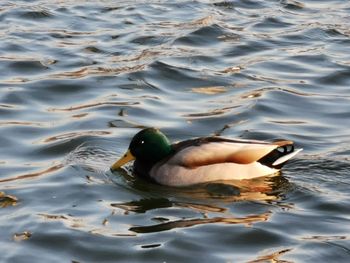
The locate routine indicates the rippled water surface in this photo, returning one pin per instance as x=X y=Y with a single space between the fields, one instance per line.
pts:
x=79 y=78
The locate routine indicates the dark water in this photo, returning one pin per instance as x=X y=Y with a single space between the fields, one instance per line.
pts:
x=79 y=78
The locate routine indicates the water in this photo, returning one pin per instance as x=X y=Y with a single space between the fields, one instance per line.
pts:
x=79 y=78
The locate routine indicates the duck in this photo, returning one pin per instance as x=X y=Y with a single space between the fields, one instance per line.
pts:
x=204 y=159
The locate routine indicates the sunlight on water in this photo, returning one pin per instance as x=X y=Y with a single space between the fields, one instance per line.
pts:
x=80 y=78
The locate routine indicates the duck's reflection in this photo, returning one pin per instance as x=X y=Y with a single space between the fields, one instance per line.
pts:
x=204 y=200
x=257 y=189
x=144 y=205
x=200 y=221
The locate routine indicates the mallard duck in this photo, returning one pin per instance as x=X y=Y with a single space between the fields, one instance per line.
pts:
x=203 y=160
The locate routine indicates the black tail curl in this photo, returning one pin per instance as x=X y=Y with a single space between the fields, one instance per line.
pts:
x=277 y=153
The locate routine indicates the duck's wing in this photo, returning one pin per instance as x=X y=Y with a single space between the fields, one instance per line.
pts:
x=214 y=150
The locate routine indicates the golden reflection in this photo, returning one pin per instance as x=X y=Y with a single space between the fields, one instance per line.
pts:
x=205 y=21
x=67 y=220
x=22 y=123
x=7 y=200
x=81 y=224
x=248 y=220
x=80 y=116
x=69 y=44
x=16 y=80
x=205 y=204
x=209 y=90
x=206 y=199
x=259 y=189
x=260 y=92
x=325 y=238
x=15 y=57
x=71 y=135
x=22 y=236
x=203 y=208
x=144 y=205
x=268 y=188
x=201 y=22
x=273 y=257
x=295 y=50
x=233 y=69
x=290 y=122
x=88 y=71
x=145 y=54
x=34 y=174
x=70 y=32
x=94 y=104
x=81 y=73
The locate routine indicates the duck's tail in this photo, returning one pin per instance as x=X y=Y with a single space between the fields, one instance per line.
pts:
x=279 y=156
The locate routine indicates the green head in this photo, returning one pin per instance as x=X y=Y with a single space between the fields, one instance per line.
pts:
x=148 y=146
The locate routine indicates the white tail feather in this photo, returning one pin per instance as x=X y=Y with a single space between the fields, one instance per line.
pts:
x=286 y=157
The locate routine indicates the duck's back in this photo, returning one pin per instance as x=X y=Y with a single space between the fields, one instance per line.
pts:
x=214 y=158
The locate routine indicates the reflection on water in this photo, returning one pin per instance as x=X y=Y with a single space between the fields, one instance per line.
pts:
x=79 y=78
x=7 y=200
x=193 y=222
x=263 y=189
x=205 y=197
x=31 y=175
x=22 y=236
x=273 y=257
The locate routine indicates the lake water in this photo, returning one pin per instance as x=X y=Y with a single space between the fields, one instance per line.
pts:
x=79 y=78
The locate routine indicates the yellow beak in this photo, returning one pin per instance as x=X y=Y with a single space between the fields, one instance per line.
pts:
x=127 y=157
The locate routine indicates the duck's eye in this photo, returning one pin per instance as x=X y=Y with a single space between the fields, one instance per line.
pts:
x=142 y=142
